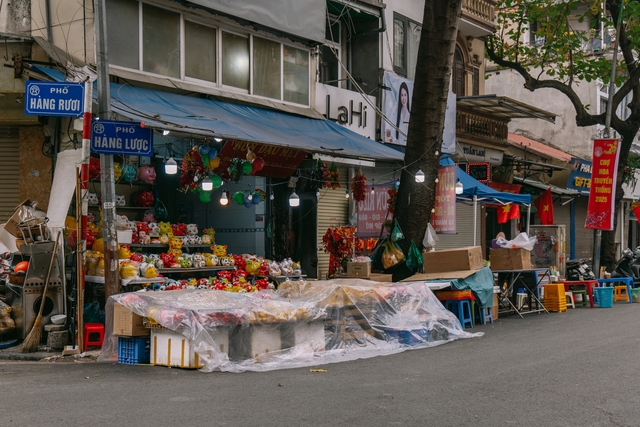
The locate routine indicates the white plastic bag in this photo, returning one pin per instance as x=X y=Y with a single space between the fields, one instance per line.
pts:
x=522 y=240
x=430 y=237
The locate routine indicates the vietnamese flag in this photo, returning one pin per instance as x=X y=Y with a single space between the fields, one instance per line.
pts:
x=544 y=205
x=508 y=212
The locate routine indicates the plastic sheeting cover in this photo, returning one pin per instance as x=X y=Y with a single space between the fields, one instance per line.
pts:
x=301 y=324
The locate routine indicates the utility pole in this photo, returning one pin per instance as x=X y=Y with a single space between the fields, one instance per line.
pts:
x=107 y=185
x=597 y=238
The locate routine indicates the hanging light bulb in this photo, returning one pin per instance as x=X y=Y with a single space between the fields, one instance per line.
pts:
x=437 y=153
x=459 y=187
x=346 y=195
x=294 y=199
x=224 y=199
x=171 y=167
x=433 y=210
x=216 y=139
x=207 y=184
x=271 y=196
x=437 y=180
x=165 y=132
x=373 y=190
x=317 y=193
x=419 y=175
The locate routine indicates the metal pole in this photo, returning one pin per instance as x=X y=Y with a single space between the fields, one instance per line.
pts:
x=107 y=185
x=475 y=217
x=597 y=236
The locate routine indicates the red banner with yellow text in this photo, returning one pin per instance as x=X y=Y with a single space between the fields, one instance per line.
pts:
x=443 y=219
x=279 y=162
x=602 y=195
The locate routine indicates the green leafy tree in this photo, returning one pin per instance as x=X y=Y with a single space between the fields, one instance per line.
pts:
x=426 y=124
x=560 y=61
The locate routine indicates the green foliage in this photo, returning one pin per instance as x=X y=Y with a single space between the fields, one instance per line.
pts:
x=562 y=29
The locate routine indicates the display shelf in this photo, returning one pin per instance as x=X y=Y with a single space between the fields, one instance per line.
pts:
x=125 y=282
x=162 y=245
x=193 y=269
x=121 y=182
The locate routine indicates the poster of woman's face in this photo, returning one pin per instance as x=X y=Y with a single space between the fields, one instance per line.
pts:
x=396 y=106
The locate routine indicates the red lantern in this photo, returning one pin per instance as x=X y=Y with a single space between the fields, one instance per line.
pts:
x=258 y=164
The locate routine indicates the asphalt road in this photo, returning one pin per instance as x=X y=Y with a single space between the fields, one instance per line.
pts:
x=578 y=368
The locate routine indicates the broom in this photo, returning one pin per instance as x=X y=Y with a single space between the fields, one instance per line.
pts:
x=31 y=342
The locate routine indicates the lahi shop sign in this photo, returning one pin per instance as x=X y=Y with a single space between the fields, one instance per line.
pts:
x=444 y=217
x=604 y=172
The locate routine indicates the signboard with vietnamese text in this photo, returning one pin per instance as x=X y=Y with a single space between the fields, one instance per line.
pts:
x=443 y=219
x=279 y=162
x=604 y=173
x=53 y=99
x=580 y=176
x=372 y=211
x=121 y=138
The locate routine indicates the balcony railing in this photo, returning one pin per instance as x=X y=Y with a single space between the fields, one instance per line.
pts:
x=472 y=124
x=480 y=12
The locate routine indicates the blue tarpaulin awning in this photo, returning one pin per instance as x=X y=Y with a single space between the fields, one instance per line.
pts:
x=211 y=118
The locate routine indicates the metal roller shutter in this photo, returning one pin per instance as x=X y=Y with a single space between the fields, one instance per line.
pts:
x=9 y=172
x=464 y=228
x=333 y=210
x=584 y=237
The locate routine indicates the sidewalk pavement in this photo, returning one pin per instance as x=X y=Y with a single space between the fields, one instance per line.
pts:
x=44 y=353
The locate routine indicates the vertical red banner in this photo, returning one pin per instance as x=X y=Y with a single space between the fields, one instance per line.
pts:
x=372 y=211
x=602 y=195
x=444 y=218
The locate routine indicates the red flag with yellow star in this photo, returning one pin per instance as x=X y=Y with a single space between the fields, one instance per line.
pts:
x=544 y=205
x=508 y=212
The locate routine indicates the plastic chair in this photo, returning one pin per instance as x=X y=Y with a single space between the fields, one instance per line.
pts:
x=570 y=302
x=93 y=335
x=583 y=294
x=620 y=293
x=462 y=309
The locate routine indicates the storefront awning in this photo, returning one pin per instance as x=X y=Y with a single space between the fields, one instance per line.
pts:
x=212 y=118
x=543 y=186
x=473 y=189
x=503 y=107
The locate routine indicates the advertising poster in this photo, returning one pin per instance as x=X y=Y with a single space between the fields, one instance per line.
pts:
x=372 y=211
x=396 y=106
x=602 y=194
x=444 y=218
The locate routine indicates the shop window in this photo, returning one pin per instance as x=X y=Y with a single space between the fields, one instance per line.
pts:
x=199 y=51
x=123 y=29
x=160 y=41
x=458 y=73
x=296 y=75
x=235 y=60
x=328 y=64
x=266 y=68
x=406 y=41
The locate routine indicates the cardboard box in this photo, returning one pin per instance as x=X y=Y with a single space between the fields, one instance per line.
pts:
x=359 y=269
x=469 y=258
x=17 y=217
x=169 y=348
x=495 y=308
x=379 y=277
x=127 y=323
x=510 y=259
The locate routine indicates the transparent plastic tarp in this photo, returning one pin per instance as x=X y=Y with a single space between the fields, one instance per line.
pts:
x=301 y=324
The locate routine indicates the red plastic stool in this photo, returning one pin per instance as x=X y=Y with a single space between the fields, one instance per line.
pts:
x=93 y=335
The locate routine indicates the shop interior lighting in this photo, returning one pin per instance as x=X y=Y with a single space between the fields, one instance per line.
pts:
x=271 y=196
x=346 y=195
x=459 y=187
x=419 y=175
x=207 y=184
x=317 y=193
x=171 y=167
x=165 y=132
x=224 y=199
x=217 y=139
x=294 y=200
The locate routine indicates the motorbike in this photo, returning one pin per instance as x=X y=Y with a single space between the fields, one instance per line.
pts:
x=579 y=269
x=628 y=266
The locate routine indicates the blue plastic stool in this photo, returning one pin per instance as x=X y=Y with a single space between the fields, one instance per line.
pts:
x=462 y=309
x=482 y=315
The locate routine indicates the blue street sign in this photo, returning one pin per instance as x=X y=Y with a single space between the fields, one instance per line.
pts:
x=53 y=99
x=121 y=138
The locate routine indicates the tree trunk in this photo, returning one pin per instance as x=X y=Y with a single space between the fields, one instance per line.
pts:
x=426 y=124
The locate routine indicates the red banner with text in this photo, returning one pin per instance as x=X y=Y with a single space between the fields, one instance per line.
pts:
x=444 y=218
x=372 y=211
x=602 y=194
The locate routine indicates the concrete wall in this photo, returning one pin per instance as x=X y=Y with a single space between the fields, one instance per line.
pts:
x=564 y=134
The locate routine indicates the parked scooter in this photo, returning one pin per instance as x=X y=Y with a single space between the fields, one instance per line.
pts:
x=628 y=266
x=579 y=269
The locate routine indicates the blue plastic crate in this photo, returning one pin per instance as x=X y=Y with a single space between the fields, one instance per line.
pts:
x=407 y=336
x=134 y=350
x=604 y=296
